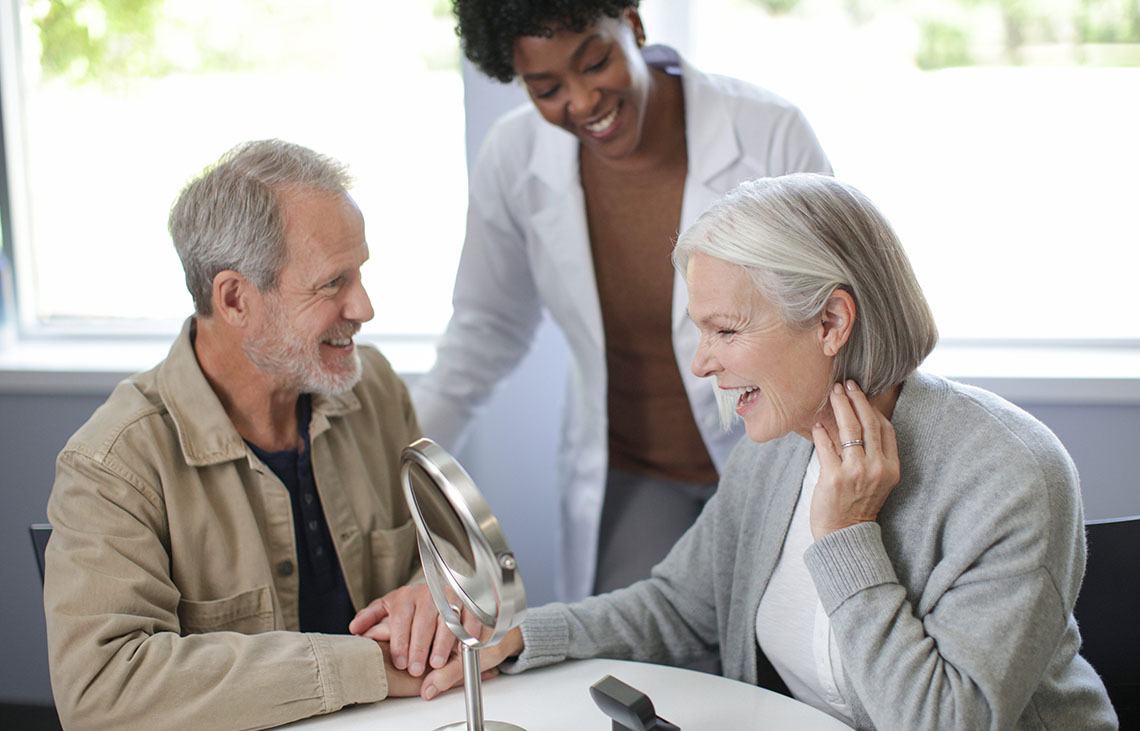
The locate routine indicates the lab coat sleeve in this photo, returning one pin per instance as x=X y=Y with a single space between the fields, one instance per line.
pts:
x=496 y=303
x=794 y=148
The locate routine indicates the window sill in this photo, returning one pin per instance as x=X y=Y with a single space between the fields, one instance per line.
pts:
x=1024 y=374
x=1044 y=374
x=95 y=366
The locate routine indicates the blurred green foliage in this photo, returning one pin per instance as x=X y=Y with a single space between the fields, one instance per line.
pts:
x=1075 y=25
x=968 y=32
x=105 y=41
x=942 y=44
x=1109 y=21
x=778 y=7
x=86 y=39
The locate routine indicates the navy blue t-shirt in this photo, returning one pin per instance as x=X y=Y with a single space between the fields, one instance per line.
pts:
x=325 y=605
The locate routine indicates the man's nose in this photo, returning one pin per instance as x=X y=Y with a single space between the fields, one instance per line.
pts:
x=358 y=308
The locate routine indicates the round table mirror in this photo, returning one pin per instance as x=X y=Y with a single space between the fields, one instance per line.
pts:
x=467 y=562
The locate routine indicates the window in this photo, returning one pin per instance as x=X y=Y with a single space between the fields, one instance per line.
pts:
x=109 y=107
x=999 y=138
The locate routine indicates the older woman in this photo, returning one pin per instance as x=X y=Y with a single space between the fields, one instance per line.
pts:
x=903 y=551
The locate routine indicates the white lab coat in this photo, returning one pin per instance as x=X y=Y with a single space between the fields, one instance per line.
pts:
x=528 y=247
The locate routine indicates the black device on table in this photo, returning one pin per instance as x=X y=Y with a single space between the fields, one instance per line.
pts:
x=630 y=709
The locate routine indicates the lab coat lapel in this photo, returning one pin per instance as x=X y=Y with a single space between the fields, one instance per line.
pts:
x=713 y=153
x=560 y=226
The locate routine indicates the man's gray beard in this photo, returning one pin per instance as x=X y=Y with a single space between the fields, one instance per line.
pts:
x=282 y=354
x=726 y=405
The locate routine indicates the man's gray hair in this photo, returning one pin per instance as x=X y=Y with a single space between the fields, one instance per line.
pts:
x=801 y=237
x=230 y=217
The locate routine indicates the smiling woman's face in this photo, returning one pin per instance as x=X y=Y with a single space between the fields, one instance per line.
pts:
x=594 y=83
x=777 y=377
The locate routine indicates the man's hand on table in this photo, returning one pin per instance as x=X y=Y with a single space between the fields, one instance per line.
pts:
x=407 y=621
x=401 y=684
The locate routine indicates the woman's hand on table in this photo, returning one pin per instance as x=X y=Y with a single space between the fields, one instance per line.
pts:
x=451 y=674
x=854 y=480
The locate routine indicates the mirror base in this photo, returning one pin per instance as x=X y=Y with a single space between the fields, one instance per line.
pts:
x=487 y=726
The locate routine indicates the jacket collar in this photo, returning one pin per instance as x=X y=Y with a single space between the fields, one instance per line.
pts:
x=205 y=432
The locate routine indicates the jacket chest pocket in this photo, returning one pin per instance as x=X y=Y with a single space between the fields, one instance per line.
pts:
x=249 y=613
x=394 y=557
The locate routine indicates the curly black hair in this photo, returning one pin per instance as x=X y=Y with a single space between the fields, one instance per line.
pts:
x=488 y=28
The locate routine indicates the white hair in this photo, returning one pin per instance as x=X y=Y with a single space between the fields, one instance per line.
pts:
x=800 y=238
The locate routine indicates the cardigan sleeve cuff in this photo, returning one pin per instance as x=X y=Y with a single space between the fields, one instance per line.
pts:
x=546 y=640
x=847 y=561
x=350 y=670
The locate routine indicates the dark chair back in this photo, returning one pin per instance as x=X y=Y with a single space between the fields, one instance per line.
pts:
x=1108 y=611
x=41 y=532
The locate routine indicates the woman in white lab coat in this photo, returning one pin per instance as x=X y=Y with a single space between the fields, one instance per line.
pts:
x=575 y=202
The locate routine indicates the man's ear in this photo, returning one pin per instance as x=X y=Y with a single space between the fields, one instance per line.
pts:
x=232 y=294
x=837 y=321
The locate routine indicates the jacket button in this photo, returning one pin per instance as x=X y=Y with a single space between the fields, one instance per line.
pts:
x=285 y=568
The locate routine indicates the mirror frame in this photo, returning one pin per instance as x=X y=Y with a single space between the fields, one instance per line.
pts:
x=495 y=564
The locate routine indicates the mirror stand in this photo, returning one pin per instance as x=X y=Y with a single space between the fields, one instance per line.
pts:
x=464 y=553
x=473 y=697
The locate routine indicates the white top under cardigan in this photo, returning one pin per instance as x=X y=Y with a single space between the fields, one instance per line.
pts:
x=528 y=249
x=791 y=626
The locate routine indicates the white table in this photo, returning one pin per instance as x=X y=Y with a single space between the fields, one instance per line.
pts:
x=558 y=697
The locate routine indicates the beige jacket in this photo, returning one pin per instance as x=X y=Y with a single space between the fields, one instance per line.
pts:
x=170 y=588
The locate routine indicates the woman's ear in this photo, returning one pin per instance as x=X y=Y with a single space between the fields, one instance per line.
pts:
x=231 y=293
x=837 y=321
x=634 y=19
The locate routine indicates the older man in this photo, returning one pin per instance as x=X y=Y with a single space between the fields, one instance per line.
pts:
x=221 y=518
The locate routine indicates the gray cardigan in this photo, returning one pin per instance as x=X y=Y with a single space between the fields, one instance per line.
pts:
x=954 y=610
